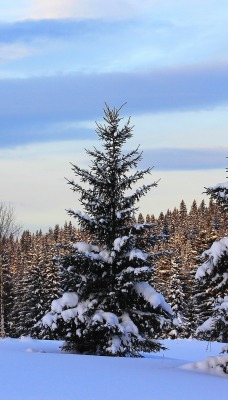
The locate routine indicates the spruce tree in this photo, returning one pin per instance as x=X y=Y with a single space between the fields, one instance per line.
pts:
x=46 y=285
x=6 y=285
x=108 y=307
x=219 y=193
x=177 y=300
x=212 y=276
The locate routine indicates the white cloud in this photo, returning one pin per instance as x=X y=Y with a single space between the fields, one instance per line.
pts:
x=51 y=9
x=12 y=52
x=89 y=8
x=14 y=10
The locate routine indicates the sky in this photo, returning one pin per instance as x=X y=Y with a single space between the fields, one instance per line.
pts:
x=61 y=60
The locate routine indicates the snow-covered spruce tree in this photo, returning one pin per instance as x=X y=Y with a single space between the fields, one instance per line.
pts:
x=177 y=299
x=219 y=193
x=6 y=285
x=213 y=278
x=108 y=307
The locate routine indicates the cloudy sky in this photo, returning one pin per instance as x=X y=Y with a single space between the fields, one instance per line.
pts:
x=61 y=60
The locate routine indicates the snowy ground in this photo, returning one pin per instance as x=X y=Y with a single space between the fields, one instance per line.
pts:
x=38 y=370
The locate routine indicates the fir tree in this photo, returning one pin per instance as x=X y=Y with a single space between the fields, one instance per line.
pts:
x=109 y=308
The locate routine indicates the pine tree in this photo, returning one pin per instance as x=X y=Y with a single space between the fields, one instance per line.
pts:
x=109 y=308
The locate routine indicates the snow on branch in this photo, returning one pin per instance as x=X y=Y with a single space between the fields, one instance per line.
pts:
x=219 y=192
x=218 y=319
x=120 y=242
x=86 y=247
x=216 y=251
x=223 y=185
x=137 y=253
x=95 y=252
x=81 y=216
x=153 y=297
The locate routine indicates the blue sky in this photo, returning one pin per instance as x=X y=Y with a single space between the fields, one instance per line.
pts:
x=61 y=60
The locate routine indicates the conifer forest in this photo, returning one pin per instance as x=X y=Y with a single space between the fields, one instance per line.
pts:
x=118 y=281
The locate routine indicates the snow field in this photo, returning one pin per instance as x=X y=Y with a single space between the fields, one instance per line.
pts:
x=38 y=370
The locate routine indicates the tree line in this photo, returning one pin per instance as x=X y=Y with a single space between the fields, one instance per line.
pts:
x=30 y=277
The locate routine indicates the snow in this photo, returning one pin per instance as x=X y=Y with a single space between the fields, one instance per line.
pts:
x=82 y=246
x=95 y=252
x=106 y=256
x=79 y=312
x=215 y=252
x=223 y=185
x=139 y=227
x=103 y=254
x=115 y=344
x=210 y=364
x=224 y=349
x=119 y=242
x=80 y=214
x=219 y=304
x=50 y=320
x=223 y=304
x=86 y=247
x=153 y=297
x=68 y=299
x=69 y=314
x=110 y=318
x=221 y=190
x=136 y=253
x=124 y=325
x=129 y=325
x=37 y=369
x=137 y=270
x=206 y=326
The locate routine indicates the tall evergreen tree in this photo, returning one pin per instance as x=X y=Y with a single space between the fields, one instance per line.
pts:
x=6 y=285
x=177 y=300
x=109 y=307
x=213 y=277
x=219 y=193
x=46 y=285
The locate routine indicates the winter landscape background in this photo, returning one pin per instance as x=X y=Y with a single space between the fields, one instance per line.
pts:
x=108 y=281
x=104 y=294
